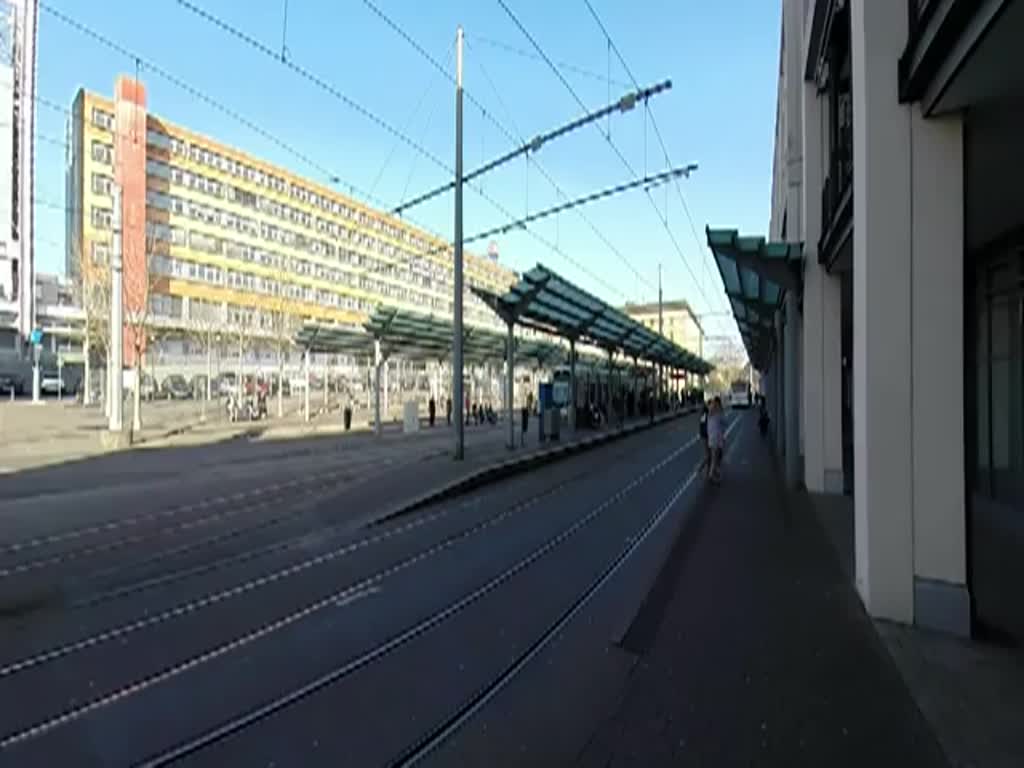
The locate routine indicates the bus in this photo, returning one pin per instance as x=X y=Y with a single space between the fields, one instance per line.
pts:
x=739 y=394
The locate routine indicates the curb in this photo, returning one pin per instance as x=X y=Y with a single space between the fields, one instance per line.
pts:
x=512 y=467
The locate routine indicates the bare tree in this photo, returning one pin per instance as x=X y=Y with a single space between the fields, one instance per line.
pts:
x=93 y=287
x=242 y=327
x=285 y=319
x=204 y=327
x=139 y=326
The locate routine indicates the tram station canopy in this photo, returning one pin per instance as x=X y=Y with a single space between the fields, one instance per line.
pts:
x=544 y=301
x=756 y=275
x=419 y=337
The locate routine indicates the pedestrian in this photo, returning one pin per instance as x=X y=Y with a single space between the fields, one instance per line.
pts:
x=448 y=410
x=526 y=423
x=705 y=462
x=432 y=410
x=716 y=439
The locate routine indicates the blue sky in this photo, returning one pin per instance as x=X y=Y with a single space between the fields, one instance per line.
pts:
x=722 y=58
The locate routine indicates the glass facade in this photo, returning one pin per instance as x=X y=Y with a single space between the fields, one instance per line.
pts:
x=995 y=436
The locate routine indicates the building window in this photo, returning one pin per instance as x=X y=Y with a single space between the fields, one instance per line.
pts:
x=102 y=217
x=158 y=169
x=158 y=200
x=102 y=185
x=200 y=242
x=102 y=119
x=102 y=152
x=179 y=236
x=100 y=253
x=158 y=139
x=158 y=231
x=163 y=305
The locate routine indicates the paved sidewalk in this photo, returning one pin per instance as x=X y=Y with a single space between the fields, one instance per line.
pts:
x=52 y=432
x=753 y=649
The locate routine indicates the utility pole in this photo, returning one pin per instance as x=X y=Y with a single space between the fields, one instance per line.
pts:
x=460 y=436
x=116 y=320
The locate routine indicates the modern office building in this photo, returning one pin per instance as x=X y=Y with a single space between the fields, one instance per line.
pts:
x=17 y=159
x=678 y=322
x=211 y=236
x=886 y=306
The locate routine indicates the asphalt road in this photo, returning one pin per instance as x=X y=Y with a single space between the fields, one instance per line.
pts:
x=277 y=631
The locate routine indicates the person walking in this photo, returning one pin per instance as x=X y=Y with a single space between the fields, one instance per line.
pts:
x=448 y=410
x=716 y=439
x=432 y=410
x=705 y=462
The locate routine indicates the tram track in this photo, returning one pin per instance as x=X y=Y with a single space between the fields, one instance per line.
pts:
x=263 y=619
x=435 y=619
x=38 y=726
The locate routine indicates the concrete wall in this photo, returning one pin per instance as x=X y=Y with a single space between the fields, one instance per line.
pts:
x=908 y=341
x=883 y=462
x=938 y=343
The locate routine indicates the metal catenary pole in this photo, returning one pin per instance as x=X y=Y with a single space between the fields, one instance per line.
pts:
x=458 y=403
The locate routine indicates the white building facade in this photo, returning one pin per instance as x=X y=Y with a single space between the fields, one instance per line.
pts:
x=18 y=19
x=894 y=354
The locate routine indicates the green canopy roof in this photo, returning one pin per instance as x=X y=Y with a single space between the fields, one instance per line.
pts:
x=756 y=275
x=547 y=302
x=420 y=336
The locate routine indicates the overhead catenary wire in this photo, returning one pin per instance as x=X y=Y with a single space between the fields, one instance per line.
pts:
x=582 y=71
x=327 y=175
x=579 y=201
x=572 y=91
x=412 y=116
x=520 y=144
x=313 y=78
x=534 y=145
x=654 y=124
x=336 y=93
x=563 y=195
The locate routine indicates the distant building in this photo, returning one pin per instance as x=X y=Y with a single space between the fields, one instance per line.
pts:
x=17 y=127
x=213 y=235
x=679 y=323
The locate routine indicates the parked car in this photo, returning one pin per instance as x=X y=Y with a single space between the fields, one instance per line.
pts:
x=175 y=387
x=52 y=382
x=149 y=389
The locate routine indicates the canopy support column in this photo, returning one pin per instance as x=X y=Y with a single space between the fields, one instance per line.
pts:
x=608 y=400
x=378 y=361
x=510 y=366
x=572 y=385
x=305 y=368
